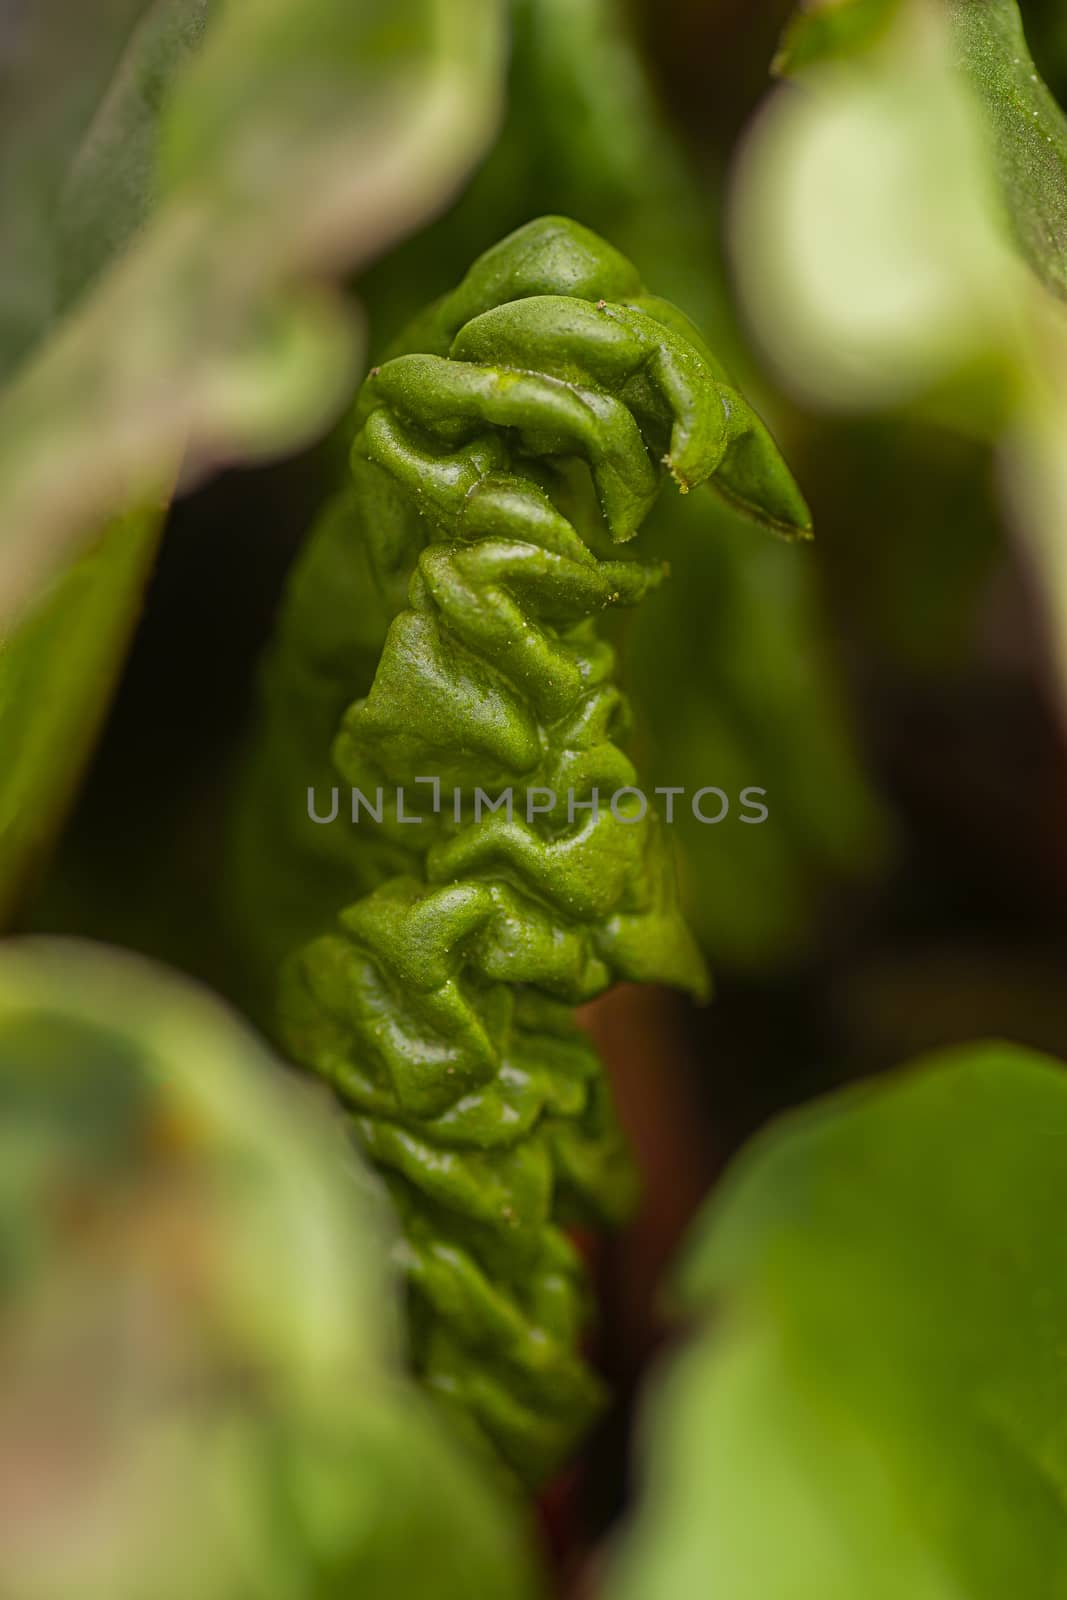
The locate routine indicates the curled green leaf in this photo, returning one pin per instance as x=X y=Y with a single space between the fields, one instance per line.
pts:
x=500 y=460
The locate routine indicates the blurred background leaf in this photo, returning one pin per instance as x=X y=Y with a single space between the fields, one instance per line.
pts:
x=175 y=192
x=1027 y=127
x=58 y=65
x=585 y=135
x=877 y=1407
x=201 y=1390
x=57 y=673
x=877 y=220
x=296 y=143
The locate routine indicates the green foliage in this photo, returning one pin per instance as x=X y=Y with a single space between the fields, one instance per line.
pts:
x=58 y=75
x=824 y=30
x=289 y=144
x=200 y=1380
x=177 y=182
x=525 y=434
x=111 y=182
x=1027 y=128
x=57 y=670
x=732 y=681
x=200 y=338
x=898 y=232
x=878 y=1406
x=584 y=136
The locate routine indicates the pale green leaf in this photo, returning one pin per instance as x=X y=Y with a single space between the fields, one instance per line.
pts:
x=1029 y=131
x=201 y=1391
x=879 y=1406
x=293 y=145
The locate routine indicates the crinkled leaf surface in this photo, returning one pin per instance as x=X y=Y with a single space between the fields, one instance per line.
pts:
x=880 y=1406
x=724 y=662
x=201 y=1358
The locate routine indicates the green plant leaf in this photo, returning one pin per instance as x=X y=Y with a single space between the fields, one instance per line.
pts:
x=176 y=189
x=57 y=671
x=752 y=893
x=455 y=955
x=57 y=65
x=898 y=231
x=298 y=143
x=825 y=30
x=201 y=1353
x=733 y=677
x=1029 y=130
x=878 y=1409
x=112 y=182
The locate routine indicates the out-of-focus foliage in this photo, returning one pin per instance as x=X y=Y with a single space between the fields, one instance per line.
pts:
x=728 y=664
x=177 y=184
x=868 y=249
x=878 y=1407
x=820 y=30
x=1029 y=130
x=295 y=142
x=200 y=1391
x=56 y=675
x=879 y=220
x=732 y=675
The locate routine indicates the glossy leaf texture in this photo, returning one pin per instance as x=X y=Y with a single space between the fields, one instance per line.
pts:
x=200 y=1329
x=505 y=453
x=876 y=1406
x=727 y=664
